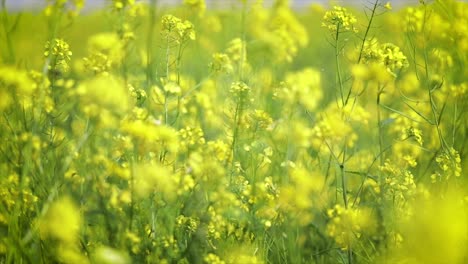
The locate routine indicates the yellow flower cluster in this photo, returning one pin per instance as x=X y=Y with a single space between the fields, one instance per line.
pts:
x=152 y=137
x=449 y=163
x=422 y=241
x=55 y=7
x=139 y=153
x=346 y=226
x=14 y=85
x=121 y=4
x=233 y=59
x=174 y=29
x=104 y=98
x=281 y=34
x=59 y=54
x=387 y=55
x=105 y=51
x=221 y=63
x=339 y=20
x=196 y=6
x=237 y=50
x=302 y=194
x=11 y=195
x=153 y=178
x=399 y=182
x=239 y=88
x=303 y=87
x=191 y=138
x=62 y=222
x=337 y=126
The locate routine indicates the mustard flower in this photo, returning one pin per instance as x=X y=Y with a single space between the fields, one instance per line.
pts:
x=221 y=64
x=213 y=259
x=175 y=29
x=196 y=6
x=14 y=83
x=55 y=6
x=107 y=255
x=339 y=19
x=375 y=54
x=435 y=233
x=150 y=178
x=105 y=50
x=302 y=87
x=105 y=91
x=58 y=51
x=62 y=221
x=239 y=88
x=121 y=4
x=413 y=20
x=388 y=6
x=279 y=30
x=449 y=163
x=237 y=50
x=346 y=226
x=393 y=58
x=399 y=181
x=191 y=137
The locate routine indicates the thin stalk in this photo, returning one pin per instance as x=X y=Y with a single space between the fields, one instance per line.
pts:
x=380 y=136
x=374 y=8
x=237 y=118
x=327 y=174
x=379 y=125
x=367 y=30
x=338 y=68
x=167 y=78
x=343 y=181
x=350 y=254
x=149 y=44
x=239 y=105
x=10 y=58
x=178 y=62
x=432 y=103
x=241 y=62
x=345 y=197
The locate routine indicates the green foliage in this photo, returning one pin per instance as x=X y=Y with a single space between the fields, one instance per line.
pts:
x=141 y=134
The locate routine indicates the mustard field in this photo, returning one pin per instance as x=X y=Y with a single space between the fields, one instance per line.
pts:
x=254 y=133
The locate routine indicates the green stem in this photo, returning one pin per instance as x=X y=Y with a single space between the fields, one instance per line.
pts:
x=241 y=62
x=338 y=69
x=149 y=44
x=237 y=118
x=367 y=30
x=432 y=103
x=374 y=8
x=343 y=183
x=10 y=57
x=379 y=125
x=167 y=79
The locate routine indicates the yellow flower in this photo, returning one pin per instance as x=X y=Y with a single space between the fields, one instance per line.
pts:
x=62 y=221
x=149 y=178
x=14 y=83
x=107 y=255
x=197 y=6
x=175 y=29
x=221 y=63
x=60 y=55
x=302 y=87
x=346 y=226
x=105 y=91
x=339 y=19
x=388 y=6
